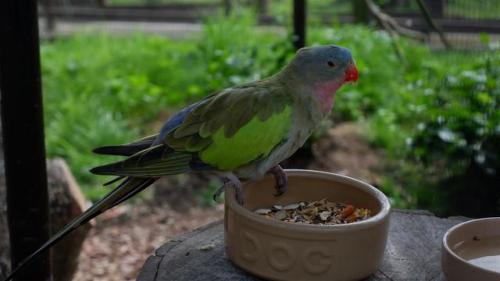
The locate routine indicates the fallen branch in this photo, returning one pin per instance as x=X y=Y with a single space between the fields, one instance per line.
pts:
x=433 y=24
x=384 y=20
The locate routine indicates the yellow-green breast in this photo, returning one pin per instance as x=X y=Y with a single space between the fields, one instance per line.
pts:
x=255 y=139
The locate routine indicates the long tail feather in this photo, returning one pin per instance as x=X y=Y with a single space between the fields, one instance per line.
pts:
x=122 y=192
x=113 y=180
x=140 y=187
x=127 y=149
x=152 y=162
x=123 y=150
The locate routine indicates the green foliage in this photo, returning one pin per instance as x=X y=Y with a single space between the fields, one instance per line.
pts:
x=382 y=76
x=101 y=90
x=435 y=114
x=456 y=135
x=442 y=126
x=460 y=123
x=231 y=51
x=104 y=89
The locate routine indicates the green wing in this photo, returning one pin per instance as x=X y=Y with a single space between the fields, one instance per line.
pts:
x=236 y=126
x=226 y=130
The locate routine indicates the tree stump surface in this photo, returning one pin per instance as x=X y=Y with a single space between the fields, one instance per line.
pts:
x=413 y=252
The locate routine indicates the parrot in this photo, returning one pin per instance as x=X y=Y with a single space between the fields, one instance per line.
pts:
x=239 y=133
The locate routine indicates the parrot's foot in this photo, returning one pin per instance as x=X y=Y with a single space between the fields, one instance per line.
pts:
x=234 y=182
x=281 y=179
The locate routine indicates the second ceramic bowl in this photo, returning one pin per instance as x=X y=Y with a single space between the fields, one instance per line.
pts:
x=471 y=251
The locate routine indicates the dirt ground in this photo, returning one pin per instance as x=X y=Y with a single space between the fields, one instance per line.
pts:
x=344 y=150
x=123 y=238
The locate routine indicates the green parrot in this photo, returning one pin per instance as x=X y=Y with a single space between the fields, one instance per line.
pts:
x=242 y=132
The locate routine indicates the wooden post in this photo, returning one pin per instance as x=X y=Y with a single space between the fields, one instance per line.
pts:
x=23 y=137
x=299 y=23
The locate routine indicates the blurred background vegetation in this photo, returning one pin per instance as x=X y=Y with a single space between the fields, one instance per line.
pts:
x=434 y=112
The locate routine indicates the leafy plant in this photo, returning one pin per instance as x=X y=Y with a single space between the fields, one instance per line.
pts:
x=457 y=136
x=101 y=89
x=436 y=116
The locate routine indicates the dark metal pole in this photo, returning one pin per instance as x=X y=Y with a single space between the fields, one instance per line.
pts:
x=23 y=138
x=299 y=23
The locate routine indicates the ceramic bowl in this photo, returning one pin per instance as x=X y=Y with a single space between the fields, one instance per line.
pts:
x=279 y=250
x=471 y=251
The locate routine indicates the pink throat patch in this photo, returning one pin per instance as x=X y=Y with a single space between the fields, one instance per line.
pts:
x=325 y=94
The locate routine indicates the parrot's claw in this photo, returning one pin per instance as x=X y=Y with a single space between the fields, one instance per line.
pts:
x=218 y=192
x=234 y=182
x=281 y=179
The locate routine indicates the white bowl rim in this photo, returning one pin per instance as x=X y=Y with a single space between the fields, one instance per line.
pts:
x=459 y=258
x=385 y=207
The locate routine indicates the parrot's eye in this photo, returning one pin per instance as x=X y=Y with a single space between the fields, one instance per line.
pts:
x=331 y=63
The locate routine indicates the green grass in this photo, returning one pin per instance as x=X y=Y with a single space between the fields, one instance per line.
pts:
x=102 y=89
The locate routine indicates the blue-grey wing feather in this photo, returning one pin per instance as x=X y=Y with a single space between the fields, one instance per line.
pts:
x=174 y=122
x=141 y=159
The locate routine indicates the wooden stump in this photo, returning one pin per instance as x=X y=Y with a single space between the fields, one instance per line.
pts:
x=66 y=202
x=412 y=253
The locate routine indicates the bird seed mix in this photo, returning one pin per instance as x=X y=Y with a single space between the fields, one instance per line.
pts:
x=322 y=212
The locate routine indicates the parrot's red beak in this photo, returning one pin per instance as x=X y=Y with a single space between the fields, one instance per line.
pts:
x=351 y=73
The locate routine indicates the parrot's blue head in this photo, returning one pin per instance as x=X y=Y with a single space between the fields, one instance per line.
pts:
x=322 y=70
x=324 y=64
